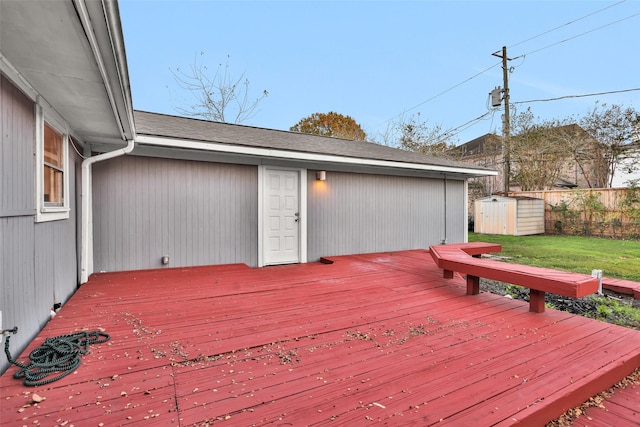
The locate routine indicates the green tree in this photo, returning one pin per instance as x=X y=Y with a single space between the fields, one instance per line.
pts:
x=538 y=153
x=542 y=151
x=216 y=95
x=615 y=129
x=330 y=124
x=584 y=152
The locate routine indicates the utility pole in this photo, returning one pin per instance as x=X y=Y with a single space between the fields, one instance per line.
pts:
x=506 y=125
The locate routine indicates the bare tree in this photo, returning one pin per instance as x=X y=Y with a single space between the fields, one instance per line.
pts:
x=386 y=137
x=414 y=134
x=217 y=96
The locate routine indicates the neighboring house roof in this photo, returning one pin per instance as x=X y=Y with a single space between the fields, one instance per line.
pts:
x=181 y=132
x=71 y=54
x=479 y=146
x=565 y=183
x=490 y=144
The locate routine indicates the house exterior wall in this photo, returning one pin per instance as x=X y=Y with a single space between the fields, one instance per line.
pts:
x=627 y=171
x=38 y=261
x=16 y=161
x=201 y=213
x=359 y=213
x=197 y=213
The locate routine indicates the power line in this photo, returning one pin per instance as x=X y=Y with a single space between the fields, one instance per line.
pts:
x=566 y=24
x=446 y=134
x=458 y=129
x=450 y=133
x=524 y=55
x=441 y=93
x=577 y=96
x=580 y=35
x=472 y=121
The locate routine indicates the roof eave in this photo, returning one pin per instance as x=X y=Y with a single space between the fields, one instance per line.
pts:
x=101 y=21
x=319 y=158
x=79 y=72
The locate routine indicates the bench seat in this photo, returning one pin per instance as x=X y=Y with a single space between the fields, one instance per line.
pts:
x=463 y=258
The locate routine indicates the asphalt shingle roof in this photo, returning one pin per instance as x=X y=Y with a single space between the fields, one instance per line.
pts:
x=161 y=125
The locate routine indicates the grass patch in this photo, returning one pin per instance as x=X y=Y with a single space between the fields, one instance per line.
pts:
x=616 y=258
x=612 y=311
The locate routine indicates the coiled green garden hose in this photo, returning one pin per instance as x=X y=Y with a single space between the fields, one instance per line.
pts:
x=56 y=355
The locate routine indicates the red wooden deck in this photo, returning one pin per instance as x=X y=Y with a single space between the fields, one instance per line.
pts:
x=377 y=337
x=622 y=286
x=621 y=409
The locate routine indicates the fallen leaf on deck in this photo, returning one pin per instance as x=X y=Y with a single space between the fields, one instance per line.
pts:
x=36 y=398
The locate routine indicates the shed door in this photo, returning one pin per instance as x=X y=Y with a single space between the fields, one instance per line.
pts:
x=494 y=219
x=281 y=217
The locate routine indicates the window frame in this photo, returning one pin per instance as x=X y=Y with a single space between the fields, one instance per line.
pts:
x=46 y=211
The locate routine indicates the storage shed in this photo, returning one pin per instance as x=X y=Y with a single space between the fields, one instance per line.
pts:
x=515 y=216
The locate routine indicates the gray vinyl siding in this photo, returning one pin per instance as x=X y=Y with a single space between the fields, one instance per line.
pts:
x=38 y=261
x=455 y=211
x=38 y=268
x=17 y=177
x=197 y=213
x=358 y=213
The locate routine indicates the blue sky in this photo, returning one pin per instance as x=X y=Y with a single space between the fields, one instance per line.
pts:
x=379 y=60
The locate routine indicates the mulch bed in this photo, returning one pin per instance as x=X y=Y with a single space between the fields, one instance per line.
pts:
x=585 y=306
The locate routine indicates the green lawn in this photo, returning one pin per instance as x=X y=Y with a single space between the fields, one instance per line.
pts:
x=616 y=258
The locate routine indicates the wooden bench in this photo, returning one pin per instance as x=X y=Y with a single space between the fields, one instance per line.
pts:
x=466 y=258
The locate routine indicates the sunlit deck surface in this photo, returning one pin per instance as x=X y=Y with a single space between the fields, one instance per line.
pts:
x=369 y=338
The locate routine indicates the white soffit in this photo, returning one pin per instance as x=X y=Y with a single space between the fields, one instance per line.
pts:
x=46 y=43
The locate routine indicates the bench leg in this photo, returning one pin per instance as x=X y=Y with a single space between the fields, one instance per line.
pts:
x=447 y=274
x=473 y=285
x=536 y=301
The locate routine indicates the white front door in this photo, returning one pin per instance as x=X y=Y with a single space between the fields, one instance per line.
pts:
x=281 y=216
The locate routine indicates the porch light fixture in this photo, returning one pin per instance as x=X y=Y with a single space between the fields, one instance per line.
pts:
x=321 y=175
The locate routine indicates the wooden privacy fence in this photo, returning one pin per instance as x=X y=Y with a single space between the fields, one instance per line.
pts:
x=603 y=212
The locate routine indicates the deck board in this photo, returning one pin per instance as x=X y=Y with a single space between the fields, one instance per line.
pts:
x=356 y=339
x=621 y=408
